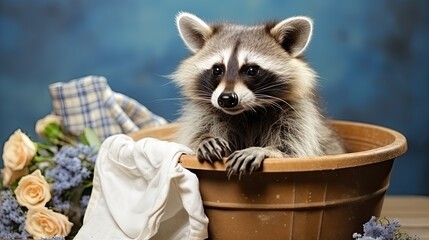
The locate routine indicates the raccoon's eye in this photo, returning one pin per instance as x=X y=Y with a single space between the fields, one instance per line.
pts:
x=252 y=71
x=217 y=70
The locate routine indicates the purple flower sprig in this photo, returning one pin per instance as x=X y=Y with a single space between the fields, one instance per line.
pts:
x=382 y=229
x=12 y=218
x=53 y=238
x=74 y=168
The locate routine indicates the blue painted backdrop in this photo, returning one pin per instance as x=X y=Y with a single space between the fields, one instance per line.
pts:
x=372 y=58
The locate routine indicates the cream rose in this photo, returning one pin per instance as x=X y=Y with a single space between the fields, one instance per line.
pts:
x=43 y=222
x=42 y=123
x=33 y=191
x=18 y=151
x=10 y=176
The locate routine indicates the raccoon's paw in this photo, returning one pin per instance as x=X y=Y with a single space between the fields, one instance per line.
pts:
x=213 y=149
x=245 y=161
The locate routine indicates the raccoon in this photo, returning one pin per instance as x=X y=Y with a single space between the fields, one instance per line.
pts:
x=249 y=94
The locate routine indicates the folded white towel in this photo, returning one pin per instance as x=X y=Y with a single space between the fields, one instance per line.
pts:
x=141 y=192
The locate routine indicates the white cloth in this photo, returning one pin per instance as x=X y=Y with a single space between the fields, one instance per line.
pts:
x=141 y=192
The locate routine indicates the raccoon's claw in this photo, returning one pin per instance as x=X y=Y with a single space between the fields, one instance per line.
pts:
x=213 y=149
x=245 y=161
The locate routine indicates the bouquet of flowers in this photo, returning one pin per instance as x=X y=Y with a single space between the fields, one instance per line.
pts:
x=46 y=185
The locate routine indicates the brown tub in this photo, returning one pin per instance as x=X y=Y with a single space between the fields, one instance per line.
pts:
x=327 y=197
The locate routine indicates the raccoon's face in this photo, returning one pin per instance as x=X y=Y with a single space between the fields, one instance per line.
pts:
x=240 y=68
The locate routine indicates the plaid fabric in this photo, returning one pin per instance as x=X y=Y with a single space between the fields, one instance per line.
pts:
x=89 y=102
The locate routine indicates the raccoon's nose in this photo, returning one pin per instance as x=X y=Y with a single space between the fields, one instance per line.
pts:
x=227 y=100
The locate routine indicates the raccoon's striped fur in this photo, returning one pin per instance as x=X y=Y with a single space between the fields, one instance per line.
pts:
x=249 y=94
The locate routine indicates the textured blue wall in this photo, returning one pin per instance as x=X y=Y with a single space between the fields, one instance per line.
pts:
x=372 y=58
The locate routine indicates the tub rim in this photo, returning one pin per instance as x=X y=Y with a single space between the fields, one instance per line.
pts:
x=384 y=152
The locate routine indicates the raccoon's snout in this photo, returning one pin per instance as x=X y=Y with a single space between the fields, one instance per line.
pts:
x=233 y=100
x=227 y=99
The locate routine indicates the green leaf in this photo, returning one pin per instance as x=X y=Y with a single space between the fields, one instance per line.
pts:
x=53 y=131
x=91 y=138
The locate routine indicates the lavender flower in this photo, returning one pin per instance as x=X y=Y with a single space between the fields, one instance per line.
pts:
x=53 y=238
x=375 y=229
x=74 y=165
x=60 y=204
x=84 y=202
x=12 y=217
x=382 y=229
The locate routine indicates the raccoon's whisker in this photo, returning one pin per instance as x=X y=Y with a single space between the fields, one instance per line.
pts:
x=202 y=94
x=208 y=88
x=247 y=105
x=167 y=83
x=274 y=101
x=271 y=87
x=271 y=100
x=276 y=104
x=250 y=107
x=273 y=105
x=169 y=99
x=267 y=87
x=199 y=99
x=206 y=93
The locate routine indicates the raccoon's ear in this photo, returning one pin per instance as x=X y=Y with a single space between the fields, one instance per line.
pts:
x=293 y=34
x=194 y=31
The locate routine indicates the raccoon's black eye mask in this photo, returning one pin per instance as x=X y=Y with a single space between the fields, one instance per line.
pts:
x=251 y=70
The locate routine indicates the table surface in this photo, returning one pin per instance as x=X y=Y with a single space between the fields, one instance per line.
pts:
x=412 y=213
